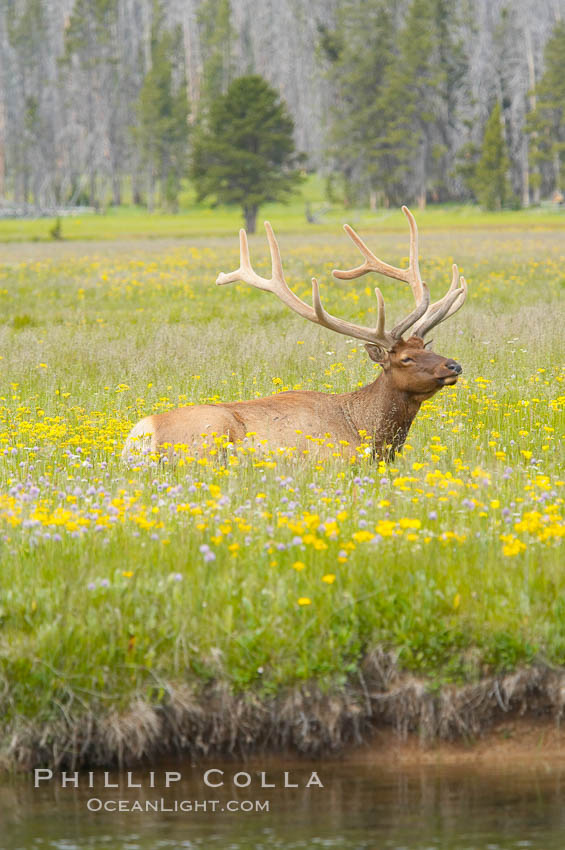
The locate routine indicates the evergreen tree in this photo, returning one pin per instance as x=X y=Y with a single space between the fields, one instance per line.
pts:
x=546 y=124
x=466 y=166
x=419 y=98
x=394 y=119
x=490 y=179
x=245 y=154
x=216 y=37
x=357 y=121
x=162 y=131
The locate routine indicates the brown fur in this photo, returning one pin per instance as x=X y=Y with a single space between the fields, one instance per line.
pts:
x=383 y=409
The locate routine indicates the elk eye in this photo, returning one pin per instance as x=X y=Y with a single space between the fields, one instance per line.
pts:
x=407 y=360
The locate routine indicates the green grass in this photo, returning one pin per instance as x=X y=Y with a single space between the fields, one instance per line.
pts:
x=450 y=557
x=128 y=222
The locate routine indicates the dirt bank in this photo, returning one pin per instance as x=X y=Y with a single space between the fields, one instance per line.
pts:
x=521 y=740
x=382 y=712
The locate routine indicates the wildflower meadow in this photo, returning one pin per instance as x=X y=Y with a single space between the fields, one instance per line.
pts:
x=263 y=567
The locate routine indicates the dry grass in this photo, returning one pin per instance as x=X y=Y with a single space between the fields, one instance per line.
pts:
x=303 y=719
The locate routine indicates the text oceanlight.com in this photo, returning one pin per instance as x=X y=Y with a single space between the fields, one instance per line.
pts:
x=94 y=804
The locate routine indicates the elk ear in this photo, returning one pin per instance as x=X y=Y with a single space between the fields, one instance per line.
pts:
x=377 y=354
x=428 y=344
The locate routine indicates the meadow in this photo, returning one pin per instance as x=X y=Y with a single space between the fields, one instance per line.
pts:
x=271 y=569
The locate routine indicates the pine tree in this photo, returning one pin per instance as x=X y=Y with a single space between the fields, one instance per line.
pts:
x=407 y=101
x=546 y=124
x=419 y=97
x=162 y=131
x=245 y=154
x=357 y=121
x=393 y=123
x=216 y=37
x=490 y=180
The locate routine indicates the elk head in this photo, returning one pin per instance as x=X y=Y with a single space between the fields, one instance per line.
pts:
x=409 y=366
x=412 y=368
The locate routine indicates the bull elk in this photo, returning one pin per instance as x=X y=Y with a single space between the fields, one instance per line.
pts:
x=384 y=409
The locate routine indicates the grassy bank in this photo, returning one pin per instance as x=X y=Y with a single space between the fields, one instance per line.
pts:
x=123 y=584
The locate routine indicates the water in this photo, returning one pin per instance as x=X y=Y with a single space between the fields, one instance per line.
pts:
x=360 y=807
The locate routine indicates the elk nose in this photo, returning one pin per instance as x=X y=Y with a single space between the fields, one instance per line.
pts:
x=454 y=366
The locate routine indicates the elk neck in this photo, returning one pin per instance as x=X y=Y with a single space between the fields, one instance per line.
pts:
x=382 y=410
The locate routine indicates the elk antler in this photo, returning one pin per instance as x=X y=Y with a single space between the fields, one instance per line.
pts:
x=424 y=316
x=279 y=287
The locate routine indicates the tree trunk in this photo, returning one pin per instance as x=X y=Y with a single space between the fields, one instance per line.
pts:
x=150 y=191
x=525 y=174
x=250 y=214
x=116 y=190
x=533 y=103
x=92 y=186
x=2 y=148
x=137 y=194
x=26 y=184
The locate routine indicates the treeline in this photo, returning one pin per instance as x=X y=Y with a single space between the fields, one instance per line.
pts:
x=103 y=101
x=408 y=121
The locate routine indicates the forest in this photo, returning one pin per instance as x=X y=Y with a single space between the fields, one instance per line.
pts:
x=102 y=101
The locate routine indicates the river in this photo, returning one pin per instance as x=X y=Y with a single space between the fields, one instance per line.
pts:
x=360 y=806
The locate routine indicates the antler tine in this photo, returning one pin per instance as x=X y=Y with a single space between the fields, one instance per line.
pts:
x=377 y=336
x=411 y=275
x=441 y=310
x=279 y=287
x=380 y=313
x=414 y=278
x=458 y=302
x=449 y=307
x=276 y=262
x=371 y=264
x=244 y=261
x=245 y=271
x=276 y=284
x=417 y=313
